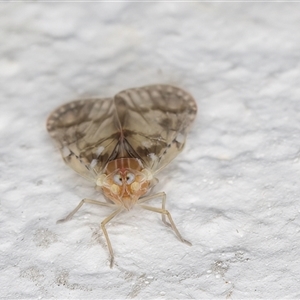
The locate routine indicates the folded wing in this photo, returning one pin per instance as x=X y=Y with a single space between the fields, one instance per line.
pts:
x=155 y=121
x=86 y=133
x=149 y=123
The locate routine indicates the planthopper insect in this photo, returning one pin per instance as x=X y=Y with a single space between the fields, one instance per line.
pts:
x=121 y=143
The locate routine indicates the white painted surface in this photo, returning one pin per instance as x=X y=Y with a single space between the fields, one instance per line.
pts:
x=233 y=192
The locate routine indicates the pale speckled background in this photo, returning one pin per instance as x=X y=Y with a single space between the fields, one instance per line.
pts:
x=233 y=192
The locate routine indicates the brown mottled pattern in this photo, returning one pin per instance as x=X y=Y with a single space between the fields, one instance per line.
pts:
x=149 y=123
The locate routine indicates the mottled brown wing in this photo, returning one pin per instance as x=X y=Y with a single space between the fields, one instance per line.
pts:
x=86 y=133
x=155 y=121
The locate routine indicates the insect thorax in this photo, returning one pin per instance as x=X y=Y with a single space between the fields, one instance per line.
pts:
x=124 y=181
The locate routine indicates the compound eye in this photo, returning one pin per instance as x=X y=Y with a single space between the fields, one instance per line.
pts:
x=118 y=179
x=130 y=178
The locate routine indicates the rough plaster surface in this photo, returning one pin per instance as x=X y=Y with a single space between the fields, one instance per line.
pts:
x=233 y=192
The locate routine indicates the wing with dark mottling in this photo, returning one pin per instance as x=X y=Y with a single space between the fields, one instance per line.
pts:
x=86 y=133
x=155 y=121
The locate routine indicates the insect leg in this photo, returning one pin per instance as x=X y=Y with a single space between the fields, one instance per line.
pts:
x=90 y=201
x=163 y=197
x=168 y=215
x=103 y=223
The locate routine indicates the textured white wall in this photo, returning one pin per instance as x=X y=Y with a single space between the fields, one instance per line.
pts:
x=233 y=192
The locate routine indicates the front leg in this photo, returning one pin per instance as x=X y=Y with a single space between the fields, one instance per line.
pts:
x=103 y=223
x=163 y=197
x=165 y=213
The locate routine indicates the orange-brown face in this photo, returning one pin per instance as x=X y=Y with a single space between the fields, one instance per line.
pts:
x=124 y=181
